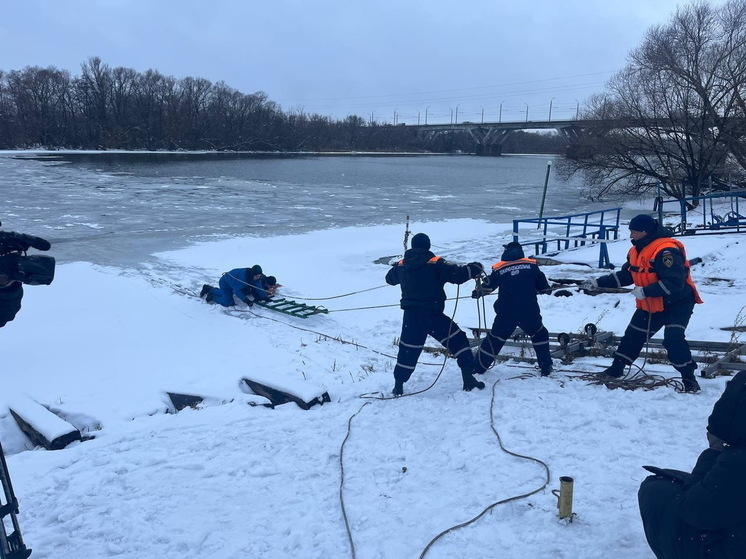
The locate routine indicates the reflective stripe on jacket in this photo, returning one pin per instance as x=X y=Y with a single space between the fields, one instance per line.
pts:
x=497 y=265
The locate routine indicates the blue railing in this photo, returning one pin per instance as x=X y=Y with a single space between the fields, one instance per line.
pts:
x=731 y=220
x=573 y=230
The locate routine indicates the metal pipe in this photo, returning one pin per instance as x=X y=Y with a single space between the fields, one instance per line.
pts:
x=544 y=195
x=564 y=501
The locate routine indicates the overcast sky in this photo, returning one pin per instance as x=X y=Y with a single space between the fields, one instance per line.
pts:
x=380 y=59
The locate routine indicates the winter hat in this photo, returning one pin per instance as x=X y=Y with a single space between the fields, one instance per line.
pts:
x=513 y=251
x=643 y=222
x=420 y=240
x=728 y=418
x=256 y=269
x=269 y=281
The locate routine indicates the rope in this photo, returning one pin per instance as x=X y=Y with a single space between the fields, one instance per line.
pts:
x=342 y=480
x=380 y=396
x=639 y=379
x=177 y=288
x=340 y=296
x=504 y=501
x=311 y=298
x=384 y=306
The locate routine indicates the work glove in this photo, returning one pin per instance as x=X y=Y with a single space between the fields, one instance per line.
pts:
x=716 y=443
x=476 y=269
x=589 y=285
x=477 y=294
x=638 y=292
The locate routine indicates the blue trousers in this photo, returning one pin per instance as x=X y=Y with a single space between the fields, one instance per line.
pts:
x=416 y=326
x=503 y=327
x=644 y=325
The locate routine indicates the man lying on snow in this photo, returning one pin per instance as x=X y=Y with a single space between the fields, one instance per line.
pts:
x=241 y=285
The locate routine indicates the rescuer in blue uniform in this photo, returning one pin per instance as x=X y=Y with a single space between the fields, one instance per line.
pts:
x=422 y=276
x=245 y=284
x=665 y=297
x=702 y=514
x=518 y=280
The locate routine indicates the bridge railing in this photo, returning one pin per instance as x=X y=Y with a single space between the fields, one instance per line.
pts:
x=720 y=212
x=571 y=231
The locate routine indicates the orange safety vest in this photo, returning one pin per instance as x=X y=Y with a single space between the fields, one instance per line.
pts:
x=502 y=263
x=433 y=260
x=643 y=273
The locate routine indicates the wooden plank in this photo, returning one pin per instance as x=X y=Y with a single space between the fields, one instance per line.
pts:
x=604 y=342
x=728 y=362
x=43 y=427
x=281 y=392
x=182 y=401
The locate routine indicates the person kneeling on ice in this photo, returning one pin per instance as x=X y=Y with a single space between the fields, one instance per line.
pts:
x=703 y=513
x=518 y=280
x=241 y=285
x=665 y=296
x=422 y=276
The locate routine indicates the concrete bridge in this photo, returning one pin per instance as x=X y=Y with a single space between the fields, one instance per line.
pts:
x=490 y=136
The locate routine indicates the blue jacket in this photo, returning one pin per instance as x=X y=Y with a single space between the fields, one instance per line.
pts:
x=240 y=282
x=519 y=280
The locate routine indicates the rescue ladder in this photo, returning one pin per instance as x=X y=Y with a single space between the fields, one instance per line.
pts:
x=292 y=308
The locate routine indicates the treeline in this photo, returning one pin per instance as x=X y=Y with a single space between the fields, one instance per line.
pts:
x=120 y=108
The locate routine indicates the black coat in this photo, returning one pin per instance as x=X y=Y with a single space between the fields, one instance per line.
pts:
x=518 y=282
x=10 y=302
x=422 y=276
x=711 y=501
x=715 y=496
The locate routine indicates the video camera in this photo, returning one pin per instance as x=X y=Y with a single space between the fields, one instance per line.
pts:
x=15 y=264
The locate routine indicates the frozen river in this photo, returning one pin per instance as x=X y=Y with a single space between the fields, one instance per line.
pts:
x=118 y=208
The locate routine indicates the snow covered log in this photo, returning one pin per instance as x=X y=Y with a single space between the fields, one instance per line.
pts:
x=179 y=400
x=282 y=391
x=43 y=427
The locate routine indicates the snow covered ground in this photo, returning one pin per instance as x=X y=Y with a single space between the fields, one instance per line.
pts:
x=102 y=346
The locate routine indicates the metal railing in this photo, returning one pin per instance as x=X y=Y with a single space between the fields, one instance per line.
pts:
x=731 y=220
x=572 y=231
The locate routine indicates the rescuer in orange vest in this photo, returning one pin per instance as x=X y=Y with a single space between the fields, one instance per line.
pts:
x=665 y=296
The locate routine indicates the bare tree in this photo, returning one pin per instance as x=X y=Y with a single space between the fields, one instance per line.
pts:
x=674 y=115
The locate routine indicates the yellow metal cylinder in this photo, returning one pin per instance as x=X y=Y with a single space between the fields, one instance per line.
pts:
x=564 y=501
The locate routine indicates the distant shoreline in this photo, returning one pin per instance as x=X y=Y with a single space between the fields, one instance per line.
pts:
x=77 y=155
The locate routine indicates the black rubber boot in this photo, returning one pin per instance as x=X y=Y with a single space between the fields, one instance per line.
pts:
x=615 y=370
x=546 y=369
x=205 y=289
x=687 y=377
x=690 y=384
x=470 y=382
x=398 y=388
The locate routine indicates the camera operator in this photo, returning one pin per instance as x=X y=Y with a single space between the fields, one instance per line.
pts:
x=16 y=268
x=11 y=292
